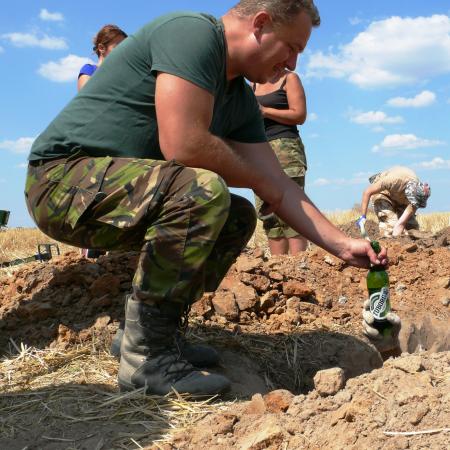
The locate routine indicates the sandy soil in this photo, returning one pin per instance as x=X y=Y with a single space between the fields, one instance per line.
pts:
x=278 y=322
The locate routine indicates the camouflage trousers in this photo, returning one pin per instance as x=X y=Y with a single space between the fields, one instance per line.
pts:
x=388 y=213
x=291 y=155
x=188 y=227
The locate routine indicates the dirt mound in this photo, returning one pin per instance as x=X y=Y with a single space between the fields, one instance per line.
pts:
x=395 y=407
x=351 y=229
x=279 y=323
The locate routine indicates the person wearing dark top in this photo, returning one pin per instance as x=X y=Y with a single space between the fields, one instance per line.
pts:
x=105 y=41
x=283 y=105
x=142 y=158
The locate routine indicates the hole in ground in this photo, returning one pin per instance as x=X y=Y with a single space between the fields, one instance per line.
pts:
x=424 y=334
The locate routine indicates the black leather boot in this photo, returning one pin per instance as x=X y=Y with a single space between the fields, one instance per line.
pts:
x=151 y=357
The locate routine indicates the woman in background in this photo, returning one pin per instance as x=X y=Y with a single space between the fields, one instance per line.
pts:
x=283 y=105
x=104 y=41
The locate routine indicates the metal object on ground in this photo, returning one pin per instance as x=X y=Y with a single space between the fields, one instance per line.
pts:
x=4 y=217
x=45 y=253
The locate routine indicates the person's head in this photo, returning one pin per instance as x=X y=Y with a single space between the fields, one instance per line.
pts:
x=277 y=32
x=106 y=39
x=417 y=193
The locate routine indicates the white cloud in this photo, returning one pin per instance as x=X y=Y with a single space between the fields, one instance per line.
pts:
x=52 y=17
x=21 y=145
x=22 y=165
x=394 y=142
x=390 y=52
x=356 y=178
x=354 y=20
x=32 y=40
x=434 y=164
x=425 y=98
x=312 y=116
x=375 y=117
x=65 y=69
x=321 y=182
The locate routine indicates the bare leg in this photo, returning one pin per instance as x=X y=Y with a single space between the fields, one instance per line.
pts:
x=297 y=245
x=279 y=246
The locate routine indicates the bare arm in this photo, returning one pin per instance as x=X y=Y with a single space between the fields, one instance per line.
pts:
x=367 y=194
x=82 y=80
x=296 y=209
x=184 y=113
x=403 y=219
x=296 y=113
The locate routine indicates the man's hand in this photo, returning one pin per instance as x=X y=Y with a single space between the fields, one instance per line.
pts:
x=361 y=222
x=398 y=229
x=359 y=253
x=387 y=340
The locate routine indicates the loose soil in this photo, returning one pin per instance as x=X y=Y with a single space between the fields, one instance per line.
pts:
x=277 y=322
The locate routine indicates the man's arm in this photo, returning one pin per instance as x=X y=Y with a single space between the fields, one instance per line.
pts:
x=367 y=194
x=402 y=221
x=184 y=112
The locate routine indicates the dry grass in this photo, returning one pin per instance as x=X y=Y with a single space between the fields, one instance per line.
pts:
x=58 y=390
x=22 y=242
x=431 y=222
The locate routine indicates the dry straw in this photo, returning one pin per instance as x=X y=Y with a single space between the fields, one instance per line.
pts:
x=78 y=386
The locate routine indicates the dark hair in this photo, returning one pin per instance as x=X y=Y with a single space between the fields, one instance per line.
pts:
x=107 y=35
x=281 y=11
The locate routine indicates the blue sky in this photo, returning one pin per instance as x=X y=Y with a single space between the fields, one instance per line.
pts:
x=376 y=76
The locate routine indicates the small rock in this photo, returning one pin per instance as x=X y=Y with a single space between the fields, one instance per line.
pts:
x=247 y=264
x=409 y=364
x=443 y=282
x=225 y=305
x=256 y=405
x=400 y=287
x=277 y=276
x=268 y=300
x=267 y=434
x=278 y=401
x=342 y=300
x=410 y=248
x=297 y=288
x=101 y=322
x=329 y=260
x=303 y=265
x=329 y=381
x=418 y=413
x=293 y=303
x=446 y=301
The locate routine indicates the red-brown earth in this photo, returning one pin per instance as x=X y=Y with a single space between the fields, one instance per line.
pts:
x=278 y=323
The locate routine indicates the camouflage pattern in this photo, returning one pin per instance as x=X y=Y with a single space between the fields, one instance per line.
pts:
x=187 y=225
x=291 y=154
x=388 y=213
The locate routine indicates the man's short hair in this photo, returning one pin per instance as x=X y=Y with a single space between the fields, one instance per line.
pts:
x=281 y=11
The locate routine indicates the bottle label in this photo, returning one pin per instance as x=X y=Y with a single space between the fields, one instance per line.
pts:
x=379 y=304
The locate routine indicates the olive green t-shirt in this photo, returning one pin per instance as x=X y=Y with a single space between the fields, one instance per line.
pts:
x=114 y=113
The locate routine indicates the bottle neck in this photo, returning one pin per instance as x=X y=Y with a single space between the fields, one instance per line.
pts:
x=378 y=268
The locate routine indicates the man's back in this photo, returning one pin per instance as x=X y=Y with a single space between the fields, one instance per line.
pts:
x=115 y=114
x=393 y=182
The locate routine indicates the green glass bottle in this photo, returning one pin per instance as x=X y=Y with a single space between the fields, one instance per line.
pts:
x=378 y=287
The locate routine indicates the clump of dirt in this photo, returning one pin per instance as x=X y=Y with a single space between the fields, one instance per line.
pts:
x=395 y=407
x=279 y=322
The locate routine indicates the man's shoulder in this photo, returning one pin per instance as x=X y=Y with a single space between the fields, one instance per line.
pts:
x=182 y=18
